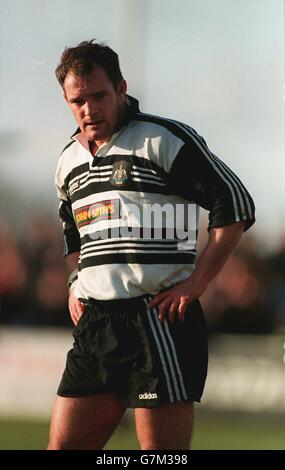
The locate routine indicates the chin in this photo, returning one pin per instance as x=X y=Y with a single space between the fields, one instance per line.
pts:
x=93 y=136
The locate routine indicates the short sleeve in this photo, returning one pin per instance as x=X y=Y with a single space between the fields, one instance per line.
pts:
x=200 y=176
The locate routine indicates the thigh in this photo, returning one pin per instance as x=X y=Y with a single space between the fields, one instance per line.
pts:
x=82 y=423
x=165 y=427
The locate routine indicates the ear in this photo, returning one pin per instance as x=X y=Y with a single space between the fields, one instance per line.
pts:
x=64 y=95
x=122 y=88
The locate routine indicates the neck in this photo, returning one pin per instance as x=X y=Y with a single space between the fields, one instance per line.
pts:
x=121 y=117
x=93 y=146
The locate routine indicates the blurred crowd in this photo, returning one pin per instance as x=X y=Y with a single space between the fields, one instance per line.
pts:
x=248 y=296
x=33 y=274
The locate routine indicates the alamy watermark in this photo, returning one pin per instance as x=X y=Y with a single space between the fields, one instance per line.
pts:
x=141 y=221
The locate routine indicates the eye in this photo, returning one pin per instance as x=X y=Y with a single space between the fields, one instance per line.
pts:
x=100 y=95
x=76 y=101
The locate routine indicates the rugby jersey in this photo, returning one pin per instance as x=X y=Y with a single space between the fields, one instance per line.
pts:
x=110 y=204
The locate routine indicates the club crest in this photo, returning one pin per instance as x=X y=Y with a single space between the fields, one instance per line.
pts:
x=121 y=174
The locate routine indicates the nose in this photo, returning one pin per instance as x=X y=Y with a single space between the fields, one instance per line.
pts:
x=90 y=108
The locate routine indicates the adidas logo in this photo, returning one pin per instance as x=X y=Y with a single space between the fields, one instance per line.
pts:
x=147 y=396
x=73 y=187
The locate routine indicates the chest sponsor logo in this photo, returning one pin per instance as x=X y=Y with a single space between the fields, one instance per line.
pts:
x=103 y=210
x=121 y=174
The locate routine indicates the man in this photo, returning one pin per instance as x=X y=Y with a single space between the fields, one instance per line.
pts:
x=140 y=335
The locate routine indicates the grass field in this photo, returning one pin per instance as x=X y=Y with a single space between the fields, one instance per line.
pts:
x=223 y=431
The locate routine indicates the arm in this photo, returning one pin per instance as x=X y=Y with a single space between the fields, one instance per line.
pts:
x=71 y=242
x=200 y=177
x=220 y=245
x=71 y=252
x=76 y=308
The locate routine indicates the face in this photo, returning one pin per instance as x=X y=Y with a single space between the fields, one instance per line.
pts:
x=95 y=104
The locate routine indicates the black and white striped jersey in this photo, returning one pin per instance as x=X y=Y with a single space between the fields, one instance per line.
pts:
x=132 y=209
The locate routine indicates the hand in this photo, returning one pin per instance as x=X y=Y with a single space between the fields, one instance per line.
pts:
x=176 y=299
x=76 y=308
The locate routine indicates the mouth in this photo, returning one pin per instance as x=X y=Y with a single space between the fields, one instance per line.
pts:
x=94 y=124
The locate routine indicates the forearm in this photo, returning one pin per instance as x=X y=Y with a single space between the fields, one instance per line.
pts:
x=76 y=308
x=72 y=261
x=221 y=244
x=72 y=266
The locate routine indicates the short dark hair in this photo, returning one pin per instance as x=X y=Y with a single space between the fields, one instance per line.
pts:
x=81 y=59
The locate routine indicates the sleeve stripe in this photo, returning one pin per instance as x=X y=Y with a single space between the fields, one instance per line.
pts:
x=228 y=175
x=239 y=193
x=240 y=187
x=243 y=190
x=226 y=178
x=228 y=181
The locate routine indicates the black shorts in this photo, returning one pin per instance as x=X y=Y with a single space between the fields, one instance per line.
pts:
x=121 y=347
